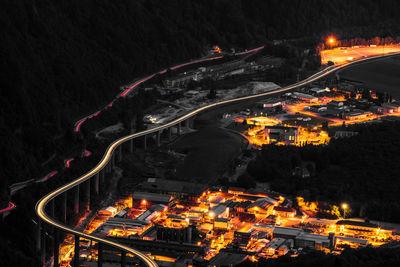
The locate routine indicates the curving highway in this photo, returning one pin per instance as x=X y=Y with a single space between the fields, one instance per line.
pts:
x=41 y=204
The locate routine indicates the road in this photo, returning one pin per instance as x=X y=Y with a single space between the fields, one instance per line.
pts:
x=41 y=204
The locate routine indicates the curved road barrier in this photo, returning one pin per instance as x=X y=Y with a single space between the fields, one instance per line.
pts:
x=108 y=156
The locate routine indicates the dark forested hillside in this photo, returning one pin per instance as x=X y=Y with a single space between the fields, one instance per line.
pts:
x=61 y=59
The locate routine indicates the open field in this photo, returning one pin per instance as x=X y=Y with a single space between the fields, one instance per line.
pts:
x=342 y=54
x=382 y=75
x=208 y=153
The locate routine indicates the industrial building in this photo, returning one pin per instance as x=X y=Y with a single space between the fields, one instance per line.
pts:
x=146 y=199
x=286 y=135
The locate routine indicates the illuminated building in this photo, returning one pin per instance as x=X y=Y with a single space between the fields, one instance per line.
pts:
x=271 y=104
x=336 y=104
x=305 y=97
x=286 y=232
x=391 y=107
x=219 y=211
x=241 y=238
x=174 y=234
x=178 y=189
x=377 y=109
x=260 y=207
x=317 y=90
x=221 y=223
x=313 y=241
x=286 y=135
x=284 y=212
x=145 y=199
x=357 y=228
x=272 y=247
x=151 y=213
x=357 y=115
x=176 y=221
x=318 y=108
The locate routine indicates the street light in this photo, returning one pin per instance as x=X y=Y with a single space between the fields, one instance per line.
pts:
x=344 y=207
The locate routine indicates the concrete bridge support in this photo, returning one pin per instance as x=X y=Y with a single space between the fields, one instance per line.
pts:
x=112 y=161
x=76 y=200
x=38 y=235
x=179 y=128
x=43 y=246
x=119 y=153
x=158 y=138
x=76 y=251
x=169 y=134
x=87 y=195
x=56 y=248
x=131 y=146
x=102 y=176
x=100 y=255
x=123 y=259
x=96 y=183
x=64 y=207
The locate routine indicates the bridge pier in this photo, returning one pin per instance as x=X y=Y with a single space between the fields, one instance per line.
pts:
x=38 y=235
x=96 y=183
x=56 y=248
x=120 y=153
x=178 y=128
x=112 y=161
x=76 y=251
x=158 y=138
x=102 y=176
x=43 y=246
x=123 y=259
x=52 y=209
x=99 y=255
x=76 y=199
x=64 y=208
x=191 y=122
x=131 y=145
x=87 y=195
x=169 y=134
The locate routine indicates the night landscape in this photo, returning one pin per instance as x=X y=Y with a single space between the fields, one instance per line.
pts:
x=200 y=133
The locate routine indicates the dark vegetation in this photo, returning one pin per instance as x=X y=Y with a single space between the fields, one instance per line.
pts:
x=365 y=257
x=362 y=170
x=61 y=60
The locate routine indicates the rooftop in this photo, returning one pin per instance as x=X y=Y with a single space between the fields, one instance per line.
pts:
x=151 y=197
x=284 y=209
x=356 y=223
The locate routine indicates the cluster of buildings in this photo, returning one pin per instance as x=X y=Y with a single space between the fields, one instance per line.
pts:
x=221 y=71
x=194 y=224
x=303 y=117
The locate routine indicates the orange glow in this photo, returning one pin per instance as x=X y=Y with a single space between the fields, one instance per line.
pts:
x=143 y=202
x=341 y=55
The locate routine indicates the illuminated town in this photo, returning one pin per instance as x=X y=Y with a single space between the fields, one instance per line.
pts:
x=302 y=118
x=200 y=133
x=192 y=223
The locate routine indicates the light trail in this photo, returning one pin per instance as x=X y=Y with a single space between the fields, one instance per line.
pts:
x=10 y=207
x=41 y=204
x=47 y=177
x=68 y=162
x=79 y=123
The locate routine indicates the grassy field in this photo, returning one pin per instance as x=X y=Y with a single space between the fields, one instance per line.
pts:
x=209 y=152
x=382 y=75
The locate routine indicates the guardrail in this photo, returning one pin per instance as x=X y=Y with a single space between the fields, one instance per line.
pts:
x=108 y=155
